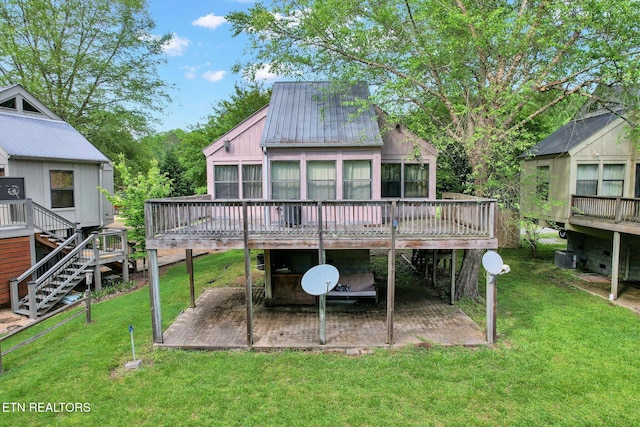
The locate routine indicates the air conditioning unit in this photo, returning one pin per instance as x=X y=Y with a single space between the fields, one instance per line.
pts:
x=566 y=259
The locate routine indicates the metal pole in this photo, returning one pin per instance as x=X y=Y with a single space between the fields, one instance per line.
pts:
x=192 y=290
x=322 y=311
x=491 y=308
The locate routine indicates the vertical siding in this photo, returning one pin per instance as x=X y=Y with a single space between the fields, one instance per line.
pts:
x=15 y=259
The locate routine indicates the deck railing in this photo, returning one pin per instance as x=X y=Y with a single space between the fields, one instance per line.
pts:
x=178 y=218
x=616 y=209
x=28 y=214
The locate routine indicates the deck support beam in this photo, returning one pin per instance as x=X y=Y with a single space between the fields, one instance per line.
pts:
x=192 y=289
x=247 y=275
x=154 y=294
x=615 y=266
x=454 y=263
x=391 y=277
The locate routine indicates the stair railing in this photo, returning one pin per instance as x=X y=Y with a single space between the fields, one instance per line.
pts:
x=79 y=259
x=39 y=269
x=52 y=224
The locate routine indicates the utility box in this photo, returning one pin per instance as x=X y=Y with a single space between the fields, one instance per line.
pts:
x=566 y=259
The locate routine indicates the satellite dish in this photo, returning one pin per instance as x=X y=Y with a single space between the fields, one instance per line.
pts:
x=492 y=262
x=320 y=279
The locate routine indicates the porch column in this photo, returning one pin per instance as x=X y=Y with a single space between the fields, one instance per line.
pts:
x=154 y=296
x=454 y=262
x=391 y=277
x=247 y=275
x=615 y=262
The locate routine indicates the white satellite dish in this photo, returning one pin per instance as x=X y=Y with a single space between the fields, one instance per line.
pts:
x=492 y=262
x=320 y=279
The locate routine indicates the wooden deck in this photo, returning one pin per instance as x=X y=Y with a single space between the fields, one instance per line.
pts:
x=616 y=214
x=218 y=322
x=260 y=224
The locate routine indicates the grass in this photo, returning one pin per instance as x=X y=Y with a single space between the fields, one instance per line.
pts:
x=563 y=358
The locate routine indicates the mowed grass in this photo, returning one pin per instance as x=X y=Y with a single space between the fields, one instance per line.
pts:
x=563 y=357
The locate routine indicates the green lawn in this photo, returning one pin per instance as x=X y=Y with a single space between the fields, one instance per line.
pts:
x=563 y=358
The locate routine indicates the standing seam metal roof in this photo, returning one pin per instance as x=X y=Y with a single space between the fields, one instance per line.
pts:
x=303 y=113
x=27 y=136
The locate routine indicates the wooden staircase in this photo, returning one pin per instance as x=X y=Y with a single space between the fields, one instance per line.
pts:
x=47 y=283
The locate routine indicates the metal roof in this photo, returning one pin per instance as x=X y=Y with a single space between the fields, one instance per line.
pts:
x=318 y=114
x=35 y=137
x=571 y=134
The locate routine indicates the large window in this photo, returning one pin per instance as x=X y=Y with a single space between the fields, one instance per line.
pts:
x=587 y=180
x=542 y=183
x=357 y=180
x=613 y=180
x=416 y=180
x=61 y=189
x=226 y=181
x=321 y=180
x=252 y=181
x=285 y=180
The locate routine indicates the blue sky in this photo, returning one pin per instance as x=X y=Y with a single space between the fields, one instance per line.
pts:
x=200 y=57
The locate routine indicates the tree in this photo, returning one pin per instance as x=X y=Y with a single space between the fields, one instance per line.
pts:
x=130 y=201
x=479 y=70
x=93 y=62
x=173 y=170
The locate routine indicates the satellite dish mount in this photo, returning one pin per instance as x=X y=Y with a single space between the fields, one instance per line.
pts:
x=492 y=262
x=318 y=281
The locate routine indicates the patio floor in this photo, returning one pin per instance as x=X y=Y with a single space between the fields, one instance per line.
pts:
x=218 y=322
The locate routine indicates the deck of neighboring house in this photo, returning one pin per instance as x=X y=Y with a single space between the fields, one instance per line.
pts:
x=618 y=214
x=73 y=259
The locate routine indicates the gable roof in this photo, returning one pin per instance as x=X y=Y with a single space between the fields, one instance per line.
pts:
x=571 y=134
x=316 y=114
x=42 y=135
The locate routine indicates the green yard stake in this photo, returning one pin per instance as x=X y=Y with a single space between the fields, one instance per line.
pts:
x=133 y=347
x=134 y=364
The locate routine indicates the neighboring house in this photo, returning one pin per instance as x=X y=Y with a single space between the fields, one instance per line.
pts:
x=585 y=180
x=318 y=176
x=49 y=183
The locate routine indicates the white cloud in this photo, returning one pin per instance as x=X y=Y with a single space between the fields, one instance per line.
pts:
x=265 y=74
x=209 y=21
x=190 y=72
x=214 y=76
x=176 y=46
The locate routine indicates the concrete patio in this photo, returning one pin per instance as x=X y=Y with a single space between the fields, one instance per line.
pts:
x=218 y=322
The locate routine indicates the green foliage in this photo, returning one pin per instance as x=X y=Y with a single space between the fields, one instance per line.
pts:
x=136 y=189
x=92 y=62
x=172 y=169
x=479 y=72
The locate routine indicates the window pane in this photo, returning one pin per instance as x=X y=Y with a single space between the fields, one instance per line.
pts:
x=61 y=183
x=542 y=183
x=285 y=180
x=226 y=182
x=587 y=180
x=321 y=180
x=252 y=181
x=613 y=180
x=391 y=180
x=357 y=180
x=416 y=180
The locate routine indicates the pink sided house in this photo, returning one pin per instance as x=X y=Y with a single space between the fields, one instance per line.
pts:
x=318 y=176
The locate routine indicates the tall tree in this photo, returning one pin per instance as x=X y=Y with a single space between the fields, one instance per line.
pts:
x=479 y=70
x=93 y=62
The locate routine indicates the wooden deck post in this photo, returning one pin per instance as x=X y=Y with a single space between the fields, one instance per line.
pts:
x=391 y=276
x=454 y=263
x=154 y=294
x=125 y=261
x=192 y=290
x=97 y=274
x=247 y=275
x=615 y=264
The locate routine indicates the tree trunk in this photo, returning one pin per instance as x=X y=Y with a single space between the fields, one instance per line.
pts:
x=467 y=283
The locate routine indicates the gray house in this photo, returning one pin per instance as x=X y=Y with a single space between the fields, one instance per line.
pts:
x=61 y=169
x=585 y=179
x=49 y=186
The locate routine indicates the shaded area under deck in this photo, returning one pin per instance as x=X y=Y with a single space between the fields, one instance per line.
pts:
x=218 y=322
